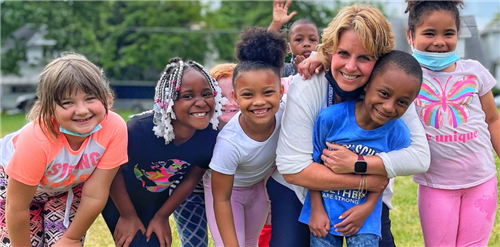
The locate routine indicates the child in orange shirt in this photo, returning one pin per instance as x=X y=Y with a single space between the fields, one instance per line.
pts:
x=57 y=170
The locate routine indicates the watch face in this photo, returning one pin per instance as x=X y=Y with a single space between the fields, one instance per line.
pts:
x=360 y=166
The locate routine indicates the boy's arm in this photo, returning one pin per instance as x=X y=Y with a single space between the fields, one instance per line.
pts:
x=222 y=187
x=160 y=224
x=355 y=217
x=319 y=222
x=17 y=212
x=94 y=196
x=280 y=15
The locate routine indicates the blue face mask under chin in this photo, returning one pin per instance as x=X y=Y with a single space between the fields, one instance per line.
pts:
x=435 y=61
x=69 y=132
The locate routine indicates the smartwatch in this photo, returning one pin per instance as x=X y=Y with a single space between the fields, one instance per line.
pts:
x=360 y=166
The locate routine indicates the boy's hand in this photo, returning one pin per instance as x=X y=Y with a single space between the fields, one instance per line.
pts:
x=126 y=229
x=298 y=59
x=354 y=218
x=319 y=223
x=280 y=14
x=309 y=66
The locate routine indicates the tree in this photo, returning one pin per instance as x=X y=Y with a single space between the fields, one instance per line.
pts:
x=145 y=35
x=75 y=25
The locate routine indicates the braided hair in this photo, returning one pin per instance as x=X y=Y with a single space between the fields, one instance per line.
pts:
x=167 y=92
x=417 y=9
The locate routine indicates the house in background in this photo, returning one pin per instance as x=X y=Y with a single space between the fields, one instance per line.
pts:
x=12 y=85
x=490 y=37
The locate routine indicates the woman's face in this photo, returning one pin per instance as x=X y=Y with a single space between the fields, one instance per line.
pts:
x=351 y=65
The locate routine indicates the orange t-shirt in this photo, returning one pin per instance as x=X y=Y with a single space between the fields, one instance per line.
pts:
x=52 y=164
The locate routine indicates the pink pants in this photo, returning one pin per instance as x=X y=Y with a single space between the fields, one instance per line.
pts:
x=462 y=217
x=250 y=209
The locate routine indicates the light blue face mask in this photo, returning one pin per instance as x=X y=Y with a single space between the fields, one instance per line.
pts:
x=434 y=60
x=69 y=132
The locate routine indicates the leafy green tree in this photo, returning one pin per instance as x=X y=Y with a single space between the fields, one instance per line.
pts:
x=75 y=25
x=145 y=35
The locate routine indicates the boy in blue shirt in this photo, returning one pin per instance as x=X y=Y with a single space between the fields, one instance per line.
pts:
x=366 y=126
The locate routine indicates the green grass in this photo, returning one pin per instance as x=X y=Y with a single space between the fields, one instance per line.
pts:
x=405 y=221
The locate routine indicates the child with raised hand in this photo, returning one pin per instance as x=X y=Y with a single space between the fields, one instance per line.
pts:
x=303 y=36
x=223 y=73
x=169 y=149
x=457 y=196
x=366 y=126
x=246 y=148
x=56 y=171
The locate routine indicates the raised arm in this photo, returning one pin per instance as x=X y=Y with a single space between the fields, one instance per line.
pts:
x=280 y=15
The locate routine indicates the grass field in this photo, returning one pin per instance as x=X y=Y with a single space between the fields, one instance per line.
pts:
x=404 y=216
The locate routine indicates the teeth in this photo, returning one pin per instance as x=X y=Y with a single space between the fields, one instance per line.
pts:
x=83 y=120
x=260 y=112
x=349 y=77
x=201 y=114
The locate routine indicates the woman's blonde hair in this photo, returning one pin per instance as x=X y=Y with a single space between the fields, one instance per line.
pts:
x=369 y=24
x=222 y=70
x=62 y=78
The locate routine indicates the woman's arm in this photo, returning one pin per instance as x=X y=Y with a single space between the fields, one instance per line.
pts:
x=492 y=119
x=411 y=160
x=19 y=197
x=295 y=146
x=94 y=197
x=222 y=187
x=160 y=224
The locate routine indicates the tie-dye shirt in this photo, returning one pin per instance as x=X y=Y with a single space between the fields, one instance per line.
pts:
x=52 y=164
x=450 y=110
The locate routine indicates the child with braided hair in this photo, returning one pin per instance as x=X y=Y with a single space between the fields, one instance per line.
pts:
x=170 y=148
x=237 y=205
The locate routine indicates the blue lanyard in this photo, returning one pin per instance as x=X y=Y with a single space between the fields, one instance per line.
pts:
x=330 y=95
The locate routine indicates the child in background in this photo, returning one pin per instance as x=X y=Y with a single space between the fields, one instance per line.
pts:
x=223 y=73
x=367 y=127
x=56 y=171
x=169 y=149
x=457 y=196
x=303 y=36
x=237 y=206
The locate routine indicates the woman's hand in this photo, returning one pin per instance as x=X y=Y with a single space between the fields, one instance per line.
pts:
x=161 y=227
x=339 y=158
x=310 y=65
x=67 y=242
x=280 y=14
x=126 y=229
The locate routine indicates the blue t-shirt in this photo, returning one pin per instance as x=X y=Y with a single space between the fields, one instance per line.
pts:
x=337 y=124
x=155 y=168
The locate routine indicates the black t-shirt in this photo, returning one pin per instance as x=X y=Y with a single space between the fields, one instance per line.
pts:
x=155 y=168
